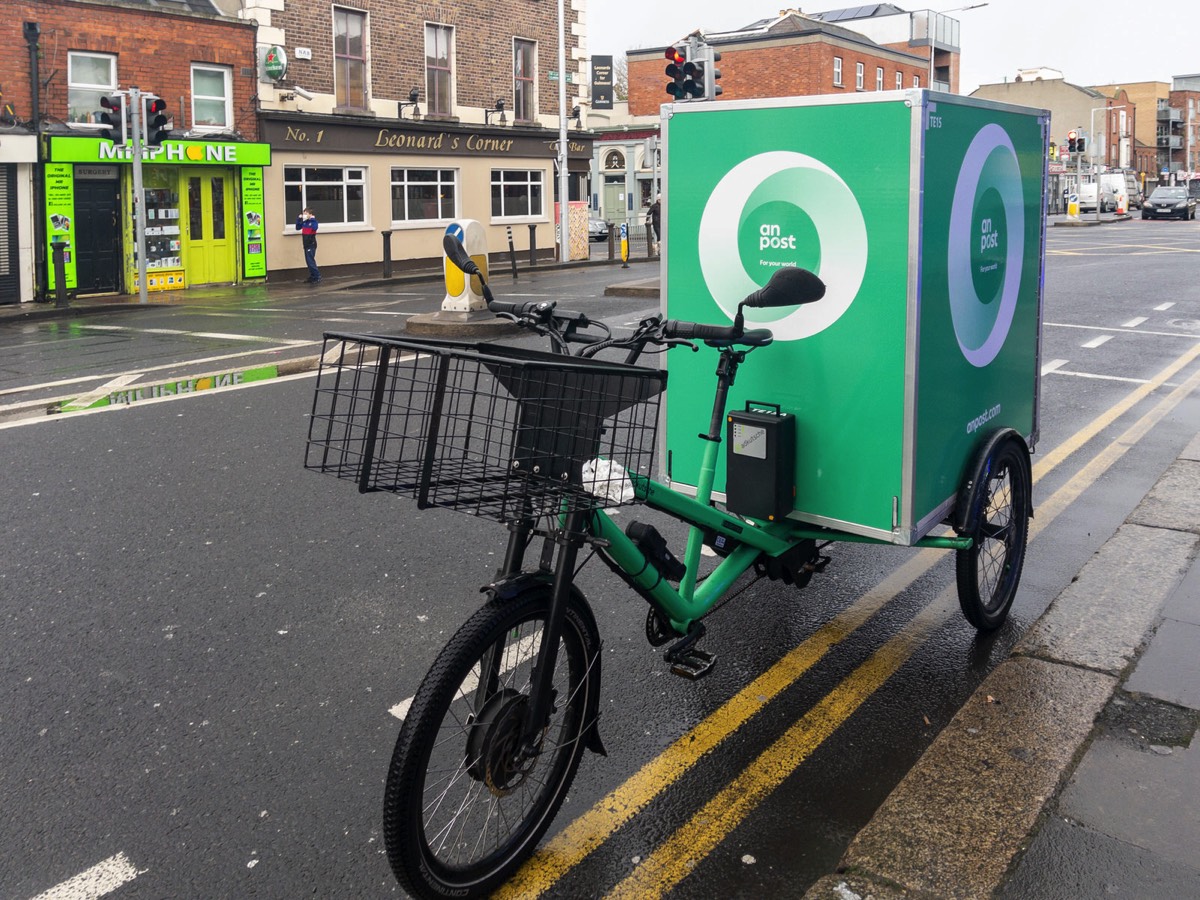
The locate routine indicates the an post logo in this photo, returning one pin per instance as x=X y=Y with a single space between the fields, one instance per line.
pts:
x=987 y=234
x=781 y=209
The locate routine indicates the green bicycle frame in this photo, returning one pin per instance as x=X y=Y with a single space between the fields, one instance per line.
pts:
x=692 y=600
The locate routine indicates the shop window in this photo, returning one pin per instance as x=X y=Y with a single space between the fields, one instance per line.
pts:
x=90 y=76
x=337 y=196
x=350 y=58
x=211 y=98
x=424 y=194
x=439 y=75
x=517 y=193
x=837 y=71
x=524 y=73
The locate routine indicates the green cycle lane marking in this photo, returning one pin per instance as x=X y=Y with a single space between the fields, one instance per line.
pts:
x=116 y=393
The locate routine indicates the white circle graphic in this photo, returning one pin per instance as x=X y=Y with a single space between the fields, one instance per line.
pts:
x=1004 y=175
x=830 y=205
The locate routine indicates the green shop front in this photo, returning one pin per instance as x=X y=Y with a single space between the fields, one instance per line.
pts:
x=205 y=214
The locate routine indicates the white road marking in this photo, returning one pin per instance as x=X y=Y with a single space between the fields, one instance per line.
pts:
x=214 y=335
x=1163 y=307
x=1191 y=335
x=1096 y=342
x=102 y=878
x=526 y=647
x=190 y=362
x=1102 y=377
x=150 y=401
x=1053 y=364
x=1134 y=323
x=86 y=400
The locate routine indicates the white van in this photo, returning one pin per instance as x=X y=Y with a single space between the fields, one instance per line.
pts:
x=1087 y=197
x=1118 y=184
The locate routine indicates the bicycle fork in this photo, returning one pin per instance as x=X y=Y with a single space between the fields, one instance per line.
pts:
x=570 y=540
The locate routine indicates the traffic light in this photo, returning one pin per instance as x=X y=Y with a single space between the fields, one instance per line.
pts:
x=156 y=121
x=112 y=117
x=1081 y=144
x=677 y=62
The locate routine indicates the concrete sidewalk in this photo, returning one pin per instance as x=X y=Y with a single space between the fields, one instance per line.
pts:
x=1072 y=771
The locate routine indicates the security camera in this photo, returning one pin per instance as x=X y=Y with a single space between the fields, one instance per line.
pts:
x=301 y=92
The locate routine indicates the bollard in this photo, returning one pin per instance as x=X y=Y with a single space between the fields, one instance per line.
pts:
x=387 y=254
x=612 y=241
x=650 y=254
x=532 y=245
x=512 y=252
x=60 y=274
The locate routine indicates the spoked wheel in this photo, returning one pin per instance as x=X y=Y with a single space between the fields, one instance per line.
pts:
x=466 y=801
x=990 y=570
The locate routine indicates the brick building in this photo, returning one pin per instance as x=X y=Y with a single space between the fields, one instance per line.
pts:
x=201 y=63
x=392 y=120
x=789 y=55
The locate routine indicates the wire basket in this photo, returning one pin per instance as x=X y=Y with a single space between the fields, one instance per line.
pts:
x=494 y=431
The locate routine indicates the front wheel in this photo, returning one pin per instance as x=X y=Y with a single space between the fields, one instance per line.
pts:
x=989 y=571
x=465 y=802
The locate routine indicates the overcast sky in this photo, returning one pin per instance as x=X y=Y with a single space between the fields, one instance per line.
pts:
x=1102 y=42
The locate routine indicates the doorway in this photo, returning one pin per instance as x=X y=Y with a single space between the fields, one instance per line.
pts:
x=97 y=237
x=211 y=239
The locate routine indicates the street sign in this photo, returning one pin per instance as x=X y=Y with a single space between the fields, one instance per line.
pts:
x=553 y=76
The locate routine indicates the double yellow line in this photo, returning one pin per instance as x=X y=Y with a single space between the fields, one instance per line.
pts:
x=674 y=859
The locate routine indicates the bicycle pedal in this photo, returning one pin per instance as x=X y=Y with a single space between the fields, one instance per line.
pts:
x=693 y=664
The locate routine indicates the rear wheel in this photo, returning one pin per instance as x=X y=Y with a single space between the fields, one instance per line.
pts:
x=990 y=570
x=464 y=806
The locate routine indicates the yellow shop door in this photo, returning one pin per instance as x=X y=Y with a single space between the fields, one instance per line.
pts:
x=210 y=234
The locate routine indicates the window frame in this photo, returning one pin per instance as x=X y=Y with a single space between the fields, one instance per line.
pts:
x=342 y=61
x=916 y=81
x=435 y=103
x=292 y=207
x=860 y=76
x=899 y=81
x=525 y=85
x=440 y=172
x=497 y=181
x=837 y=71
x=227 y=99
x=879 y=78
x=89 y=87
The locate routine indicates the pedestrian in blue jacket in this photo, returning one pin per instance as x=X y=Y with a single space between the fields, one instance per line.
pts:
x=307 y=225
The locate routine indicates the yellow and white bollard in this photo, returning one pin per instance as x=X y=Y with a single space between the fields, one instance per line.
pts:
x=463 y=294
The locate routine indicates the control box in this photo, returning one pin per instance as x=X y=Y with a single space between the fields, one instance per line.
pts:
x=760 y=462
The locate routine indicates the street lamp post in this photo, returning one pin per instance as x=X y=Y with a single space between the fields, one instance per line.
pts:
x=929 y=26
x=1095 y=152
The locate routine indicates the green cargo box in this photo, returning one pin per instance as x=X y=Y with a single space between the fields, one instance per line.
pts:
x=924 y=215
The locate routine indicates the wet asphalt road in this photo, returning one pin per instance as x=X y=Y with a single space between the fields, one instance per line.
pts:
x=203 y=640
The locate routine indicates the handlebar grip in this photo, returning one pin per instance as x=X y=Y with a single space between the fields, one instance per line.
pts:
x=503 y=306
x=688 y=330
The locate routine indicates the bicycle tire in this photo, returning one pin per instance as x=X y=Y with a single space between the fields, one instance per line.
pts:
x=989 y=571
x=436 y=848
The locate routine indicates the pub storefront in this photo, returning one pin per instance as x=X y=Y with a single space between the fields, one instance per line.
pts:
x=405 y=181
x=205 y=217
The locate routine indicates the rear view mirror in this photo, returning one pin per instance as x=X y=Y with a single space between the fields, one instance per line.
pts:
x=787 y=287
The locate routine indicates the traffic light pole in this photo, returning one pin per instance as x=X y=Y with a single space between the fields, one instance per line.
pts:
x=139 y=195
x=564 y=218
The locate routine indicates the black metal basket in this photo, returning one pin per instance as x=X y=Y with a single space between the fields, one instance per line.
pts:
x=495 y=431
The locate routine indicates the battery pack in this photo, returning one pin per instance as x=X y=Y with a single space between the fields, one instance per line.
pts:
x=760 y=461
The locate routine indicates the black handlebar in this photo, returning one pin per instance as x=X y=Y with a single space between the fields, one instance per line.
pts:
x=674 y=328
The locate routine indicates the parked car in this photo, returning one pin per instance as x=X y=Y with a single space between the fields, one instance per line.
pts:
x=597 y=230
x=1169 y=203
